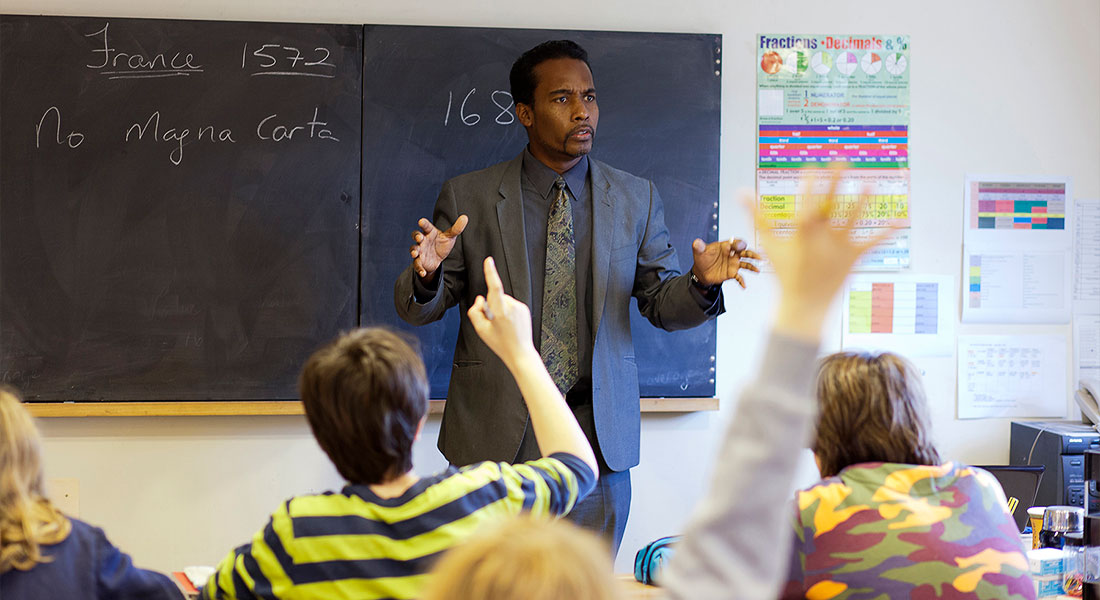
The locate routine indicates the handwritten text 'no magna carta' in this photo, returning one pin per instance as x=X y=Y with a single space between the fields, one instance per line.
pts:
x=269 y=129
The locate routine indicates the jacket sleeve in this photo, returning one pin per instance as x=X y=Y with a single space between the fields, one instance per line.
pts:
x=665 y=296
x=118 y=578
x=737 y=543
x=418 y=305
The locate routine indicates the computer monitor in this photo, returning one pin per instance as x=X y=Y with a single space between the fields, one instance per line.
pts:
x=1020 y=483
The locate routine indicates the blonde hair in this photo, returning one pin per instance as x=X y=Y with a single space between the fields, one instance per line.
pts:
x=526 y=559
x=27 y=518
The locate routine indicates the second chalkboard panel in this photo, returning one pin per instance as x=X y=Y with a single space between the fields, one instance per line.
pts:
x=436 y=104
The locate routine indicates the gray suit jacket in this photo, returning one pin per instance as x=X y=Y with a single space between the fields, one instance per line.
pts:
x=485 y=416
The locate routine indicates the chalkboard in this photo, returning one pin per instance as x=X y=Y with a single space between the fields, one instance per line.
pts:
x=436 y=104
x=179 y=204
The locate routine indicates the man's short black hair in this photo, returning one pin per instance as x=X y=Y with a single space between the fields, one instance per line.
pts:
x=522 y=77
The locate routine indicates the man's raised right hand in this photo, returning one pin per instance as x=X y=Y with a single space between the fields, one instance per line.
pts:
x=433 y=245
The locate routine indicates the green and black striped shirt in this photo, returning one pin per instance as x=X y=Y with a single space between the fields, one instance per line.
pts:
x=353 y=544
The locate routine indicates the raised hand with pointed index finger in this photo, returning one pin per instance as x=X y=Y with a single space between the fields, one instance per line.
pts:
x=501 y=321
x=504 y=324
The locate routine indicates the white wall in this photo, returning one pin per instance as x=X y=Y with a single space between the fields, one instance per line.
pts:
x=1009 y=86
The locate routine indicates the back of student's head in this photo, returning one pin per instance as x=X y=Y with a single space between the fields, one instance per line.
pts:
x=365 y=395
x=525 y=559
x=27 y=518
x=873 y=409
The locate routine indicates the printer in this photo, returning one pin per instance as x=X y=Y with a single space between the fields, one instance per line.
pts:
x=1059 y=446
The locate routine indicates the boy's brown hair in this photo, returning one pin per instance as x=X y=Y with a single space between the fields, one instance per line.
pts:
x=873 y=409
x=365 y=395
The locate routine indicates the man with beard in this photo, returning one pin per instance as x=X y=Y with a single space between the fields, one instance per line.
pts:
x=574 y=239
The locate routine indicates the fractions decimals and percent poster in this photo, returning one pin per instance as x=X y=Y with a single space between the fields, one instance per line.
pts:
x=824 y=99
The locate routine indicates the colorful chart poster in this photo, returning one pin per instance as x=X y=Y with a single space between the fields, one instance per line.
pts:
x=913 y=315
x=1017 y=250
x=1017 y=205
x=1033 y=211
x=1012 y=376
x=826 y=98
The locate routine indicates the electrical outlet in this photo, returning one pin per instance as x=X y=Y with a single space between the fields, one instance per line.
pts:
x=65 y=494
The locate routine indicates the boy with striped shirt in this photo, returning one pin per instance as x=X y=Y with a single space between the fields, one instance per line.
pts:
x=365 y=396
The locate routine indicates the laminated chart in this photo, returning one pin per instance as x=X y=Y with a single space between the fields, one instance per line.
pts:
x=780 y=195
x=823 y=99
x=812 y=146
x=1017 y=250
x=1017 y=205
x=909 y=314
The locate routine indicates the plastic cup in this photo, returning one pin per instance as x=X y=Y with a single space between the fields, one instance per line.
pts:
x=1035 y=517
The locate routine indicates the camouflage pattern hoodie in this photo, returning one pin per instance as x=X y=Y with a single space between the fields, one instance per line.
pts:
x=884 y=530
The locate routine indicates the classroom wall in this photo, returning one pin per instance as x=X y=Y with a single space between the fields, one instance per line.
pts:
x=1002 y=86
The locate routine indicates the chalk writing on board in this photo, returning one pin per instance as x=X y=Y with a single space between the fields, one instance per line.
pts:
x=285 y=61
x=177 y=135
x=137 y=65
x=268 y=129
x=278 y=133
x=72 y=139
x=500 y=98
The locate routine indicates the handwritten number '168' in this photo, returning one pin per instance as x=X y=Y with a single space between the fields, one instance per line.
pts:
x=500 y=98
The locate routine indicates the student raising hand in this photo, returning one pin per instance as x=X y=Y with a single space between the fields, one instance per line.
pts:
x=812 y=264
x=501 y=321
x=504 y=324
x=737 y=542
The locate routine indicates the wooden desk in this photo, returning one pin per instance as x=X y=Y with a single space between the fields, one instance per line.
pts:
x=632 y=590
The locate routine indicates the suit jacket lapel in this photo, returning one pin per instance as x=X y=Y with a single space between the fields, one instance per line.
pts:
x=603 y=230
x=513 y=236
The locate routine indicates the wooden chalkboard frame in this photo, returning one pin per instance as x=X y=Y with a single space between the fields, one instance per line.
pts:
x=281 y=407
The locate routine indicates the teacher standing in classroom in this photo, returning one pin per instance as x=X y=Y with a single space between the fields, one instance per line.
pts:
x=574 y=239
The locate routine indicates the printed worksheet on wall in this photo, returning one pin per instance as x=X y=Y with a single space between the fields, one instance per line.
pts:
x=1086 y=289
x=1017 y=242
x=910 y=314
x=823 y=99
x=1012 y=376
x=1086 y=264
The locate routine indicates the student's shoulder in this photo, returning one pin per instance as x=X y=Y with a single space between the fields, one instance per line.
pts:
x=85 y=534
x=311 y=503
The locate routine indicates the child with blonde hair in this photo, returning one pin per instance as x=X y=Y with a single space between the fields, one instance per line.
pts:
x=43 y=553
x=526 y=559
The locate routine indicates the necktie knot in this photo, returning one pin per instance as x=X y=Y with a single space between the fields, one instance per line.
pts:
x=559 y=183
